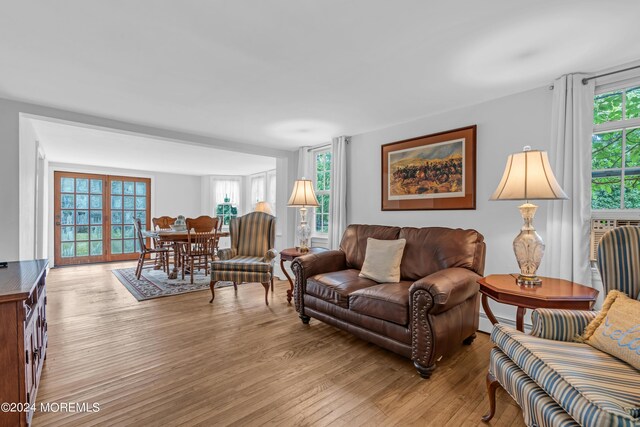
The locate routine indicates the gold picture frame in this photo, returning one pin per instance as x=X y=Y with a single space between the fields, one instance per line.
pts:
x=431 y=172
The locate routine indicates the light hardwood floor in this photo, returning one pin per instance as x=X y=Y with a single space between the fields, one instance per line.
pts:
x=182 y=361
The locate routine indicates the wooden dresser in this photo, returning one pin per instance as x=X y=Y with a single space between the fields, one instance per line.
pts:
x=23 y=337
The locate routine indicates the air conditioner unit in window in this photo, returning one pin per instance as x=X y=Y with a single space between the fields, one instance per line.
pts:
x=601 y=226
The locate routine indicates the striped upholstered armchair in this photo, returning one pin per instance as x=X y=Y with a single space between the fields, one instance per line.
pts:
x=251 y=255
x=558 y=381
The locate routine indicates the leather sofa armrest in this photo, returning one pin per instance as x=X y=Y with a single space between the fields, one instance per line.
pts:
x=448 y=287
x=322 y=262
x=309 y=265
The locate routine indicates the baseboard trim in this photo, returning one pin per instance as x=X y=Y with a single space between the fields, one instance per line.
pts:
x=486 y=326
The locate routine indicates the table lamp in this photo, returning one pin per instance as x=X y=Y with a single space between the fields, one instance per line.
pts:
x=263 y=207
x=303 y=197
x=528 y=176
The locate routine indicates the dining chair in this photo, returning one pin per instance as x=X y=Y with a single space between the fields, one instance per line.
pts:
x=251 y=255
x=199 y=251
x=161 y=252
x=217 y=243
x=202 y=224
x=161 y=224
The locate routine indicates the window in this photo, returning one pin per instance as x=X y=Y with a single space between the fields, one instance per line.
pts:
x=226 y=189
x=226 y=198
x=322 y=184
x=271 y=189
x=615 y=149
x=258 y=183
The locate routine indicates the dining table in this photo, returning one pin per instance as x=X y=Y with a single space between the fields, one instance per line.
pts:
x=176 y=237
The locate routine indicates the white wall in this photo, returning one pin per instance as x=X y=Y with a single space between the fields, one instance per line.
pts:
x=176 y=195
x=27 y=196
x=505 y=125
x=42 y=204
x=9 y=182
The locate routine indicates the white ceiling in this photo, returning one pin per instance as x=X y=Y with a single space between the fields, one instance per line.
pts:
x=65 y=143
x=283 y=73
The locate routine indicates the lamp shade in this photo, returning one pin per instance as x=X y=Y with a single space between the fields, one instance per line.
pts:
x=303 y=195
x=263 y=207
x=528 y=176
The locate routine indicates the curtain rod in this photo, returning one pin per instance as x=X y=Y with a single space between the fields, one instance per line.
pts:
x=586 y=80
x=320 y=147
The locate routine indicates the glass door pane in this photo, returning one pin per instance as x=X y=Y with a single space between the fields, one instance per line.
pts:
x=129 y=199
x=94 y=216
x=78 y=218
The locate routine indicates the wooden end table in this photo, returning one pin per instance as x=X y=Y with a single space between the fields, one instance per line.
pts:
x=290 y=254
x=553 y=293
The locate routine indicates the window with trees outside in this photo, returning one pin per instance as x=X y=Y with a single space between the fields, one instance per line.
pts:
x=615 y=148
x=322 y=183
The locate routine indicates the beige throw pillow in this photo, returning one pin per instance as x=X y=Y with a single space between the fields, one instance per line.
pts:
x=616 y=330
x=382 y=260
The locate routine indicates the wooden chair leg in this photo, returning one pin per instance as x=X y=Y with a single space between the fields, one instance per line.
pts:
x=266 y=292
x=192 y=271
x=492 y=386
x=182 y=262
x=139 y=268
x=235 y=286
x=272 y=283
x=212 y=285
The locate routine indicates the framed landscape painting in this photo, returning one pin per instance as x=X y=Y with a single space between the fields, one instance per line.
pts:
x=430 y=172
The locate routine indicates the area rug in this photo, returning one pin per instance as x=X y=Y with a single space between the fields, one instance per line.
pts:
x=155 y=283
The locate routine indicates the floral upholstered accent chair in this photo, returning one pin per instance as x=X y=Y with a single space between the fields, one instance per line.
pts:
x=251 y=256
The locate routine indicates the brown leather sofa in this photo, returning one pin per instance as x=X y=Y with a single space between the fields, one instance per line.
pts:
x=428 y=315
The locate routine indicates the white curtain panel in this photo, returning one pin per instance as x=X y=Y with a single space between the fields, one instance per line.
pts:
x=258 y=184
x=568 y=221
x=338 y=192
x=226 y=188
x=271 y=189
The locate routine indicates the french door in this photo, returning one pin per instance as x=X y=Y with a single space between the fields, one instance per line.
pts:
x=94 y=216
